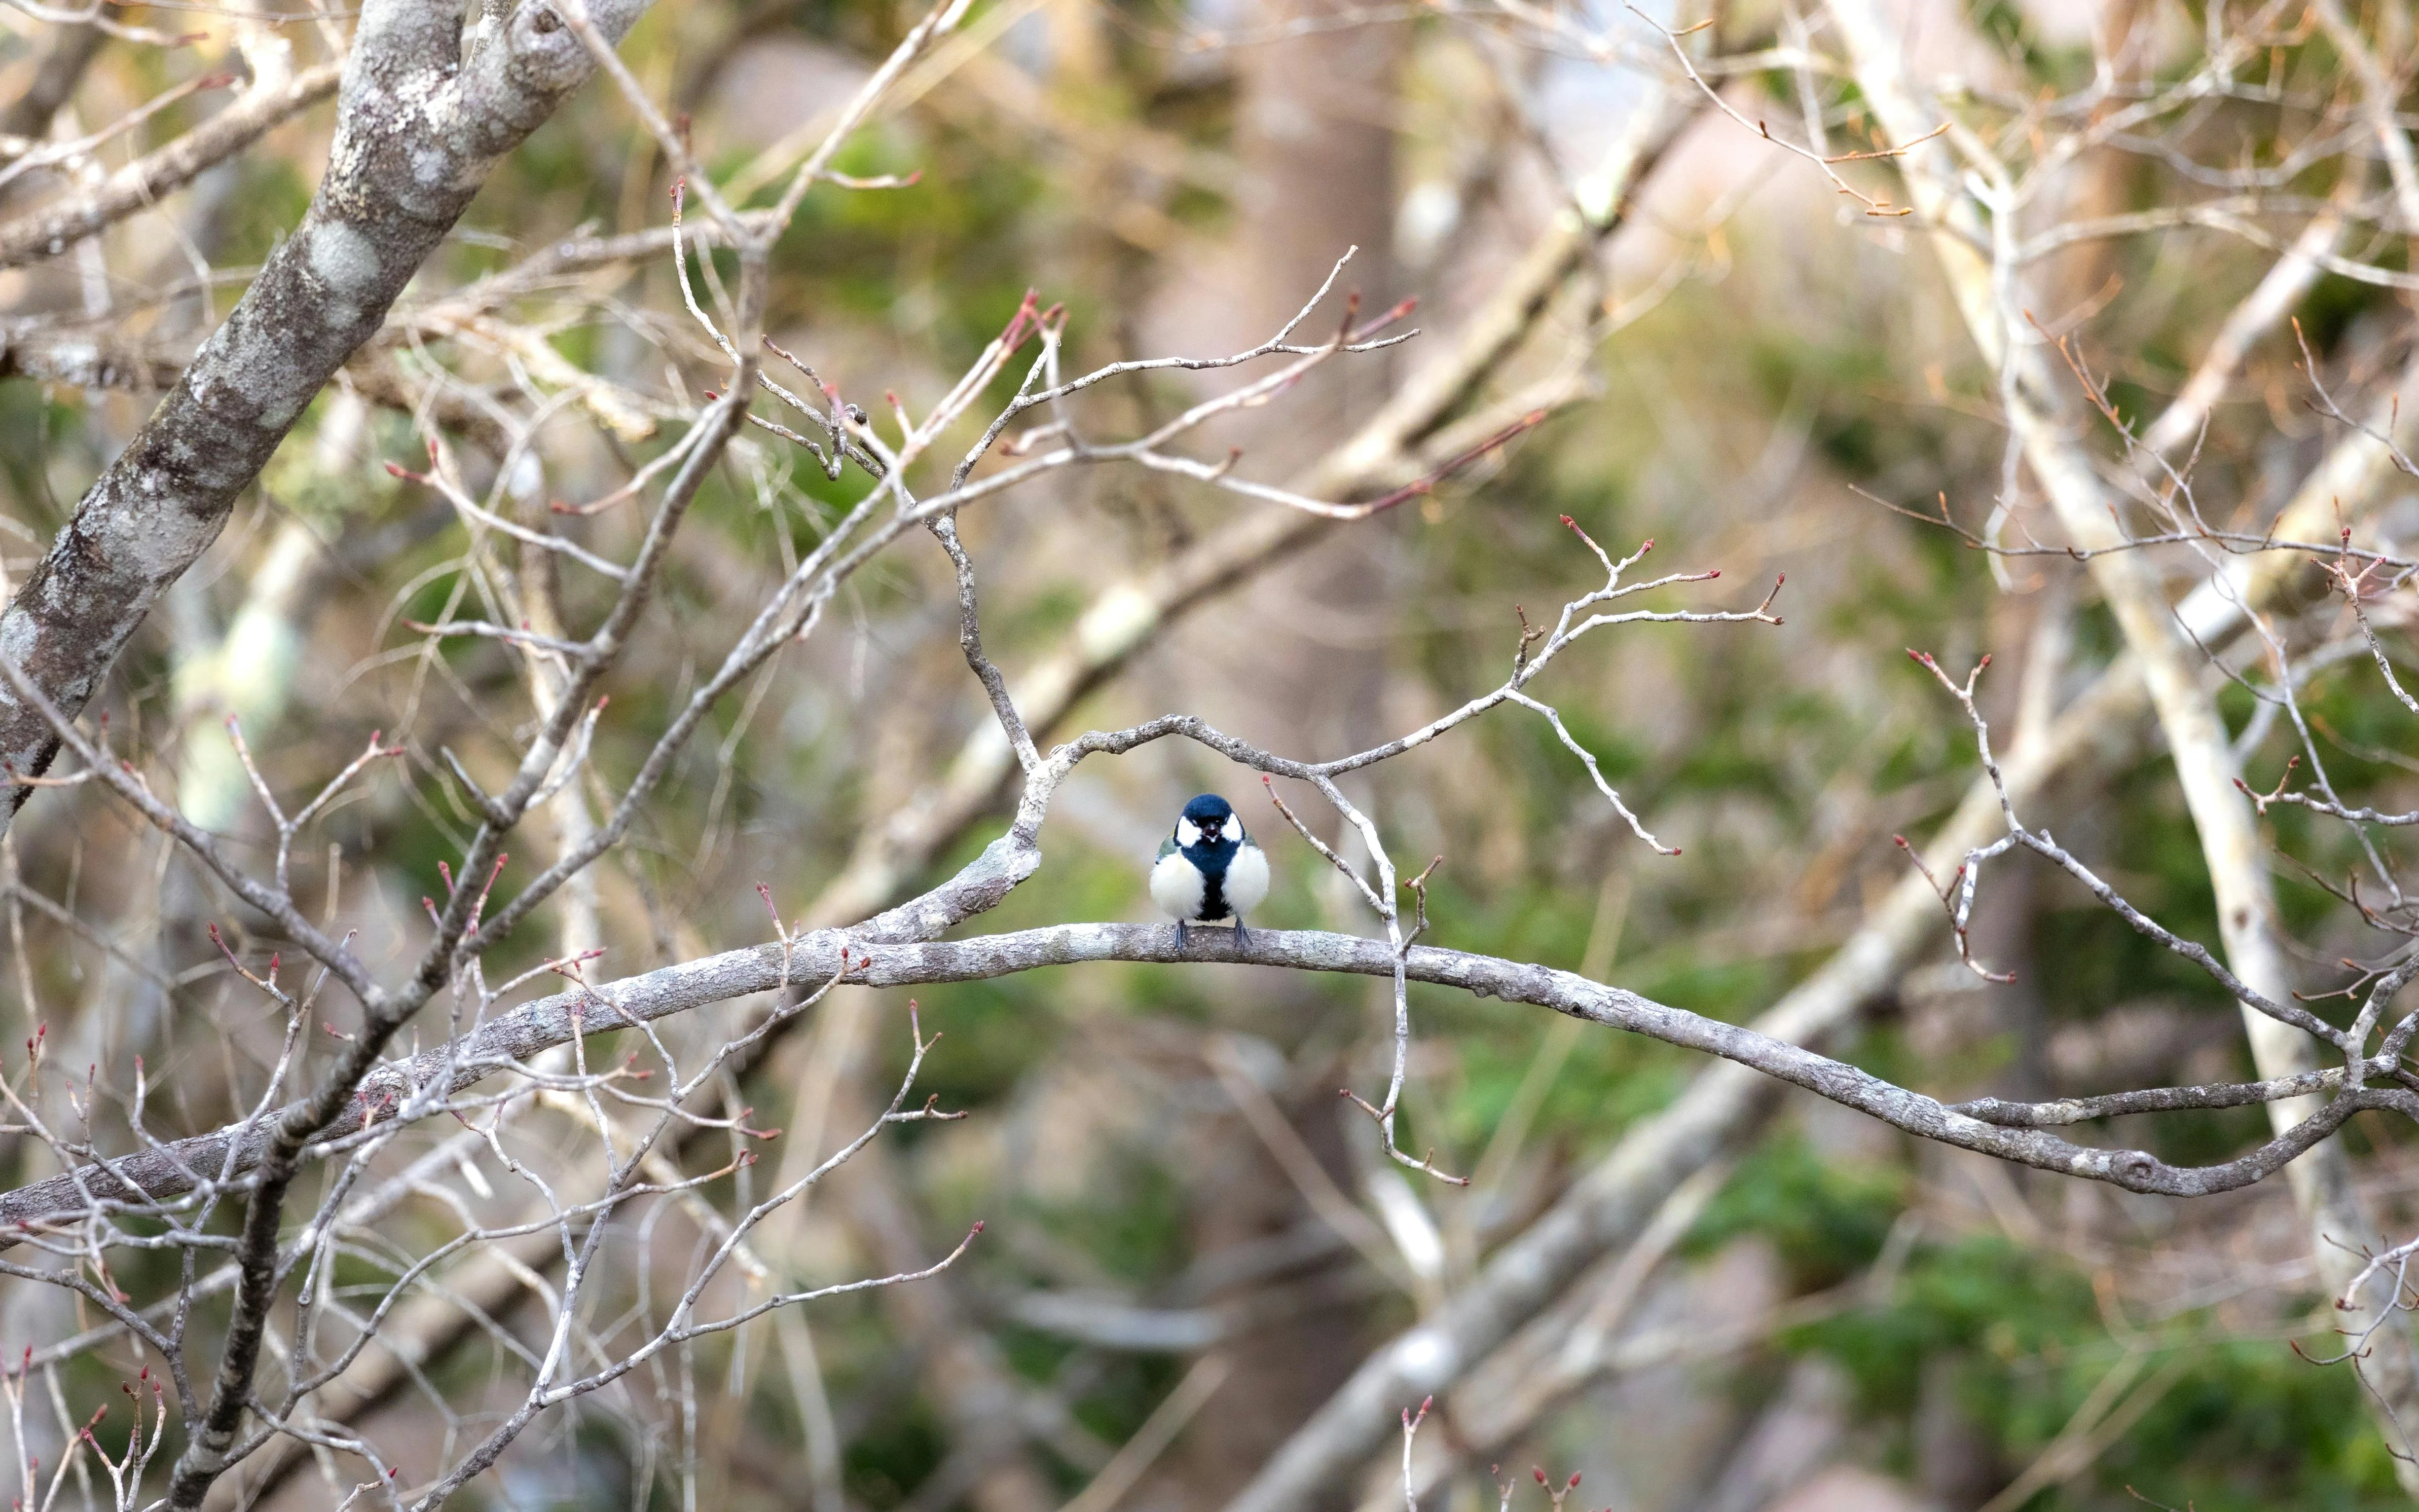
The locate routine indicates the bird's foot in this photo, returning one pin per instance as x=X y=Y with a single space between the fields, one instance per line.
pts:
x=1180 y=936
x=1242 y=935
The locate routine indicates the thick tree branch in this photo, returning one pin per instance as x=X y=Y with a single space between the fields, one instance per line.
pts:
x=417 y=132
x=1725 y=1107
x=1988 y=295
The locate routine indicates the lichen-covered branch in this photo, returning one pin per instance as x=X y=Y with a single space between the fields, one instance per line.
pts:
x=417 y=130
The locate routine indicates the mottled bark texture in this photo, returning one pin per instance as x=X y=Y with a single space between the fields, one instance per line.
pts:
x=418 y=129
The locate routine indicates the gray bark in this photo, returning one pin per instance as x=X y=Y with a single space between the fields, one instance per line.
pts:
x=51 y=231
x=418 y=1087
x=417 y=133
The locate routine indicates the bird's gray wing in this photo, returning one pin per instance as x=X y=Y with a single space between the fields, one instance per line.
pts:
x=1166 y=848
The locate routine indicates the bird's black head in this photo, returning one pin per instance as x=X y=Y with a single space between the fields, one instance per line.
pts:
x=1210 y=818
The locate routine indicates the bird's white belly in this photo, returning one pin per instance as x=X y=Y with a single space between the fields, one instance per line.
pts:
x=1176 y=886
x=1247 y=880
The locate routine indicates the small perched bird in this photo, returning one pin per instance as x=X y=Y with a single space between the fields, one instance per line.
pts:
x=1208 y=870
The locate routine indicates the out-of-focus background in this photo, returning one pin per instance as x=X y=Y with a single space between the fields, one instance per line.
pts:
x=1191 y=1241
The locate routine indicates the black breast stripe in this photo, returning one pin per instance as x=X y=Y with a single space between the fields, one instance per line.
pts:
x=1210 y=861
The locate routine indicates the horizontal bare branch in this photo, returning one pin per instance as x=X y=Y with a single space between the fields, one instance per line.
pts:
x=420 y=1086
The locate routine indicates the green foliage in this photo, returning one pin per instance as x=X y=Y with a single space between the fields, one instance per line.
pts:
x=1827 y=1221
x=2006 y=24
x=40 y=429
x=266 y=206
x=896 y=1451
x=2220 y=1424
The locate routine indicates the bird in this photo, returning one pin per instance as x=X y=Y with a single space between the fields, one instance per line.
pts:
x=1208 y=870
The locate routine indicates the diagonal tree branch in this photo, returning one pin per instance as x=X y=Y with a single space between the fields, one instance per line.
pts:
x=1989 y=296
x=417 y=132
x=1725 y=1107
x=53 y=229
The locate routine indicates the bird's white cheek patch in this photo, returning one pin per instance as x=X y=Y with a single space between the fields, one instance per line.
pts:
x=1186 y=832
